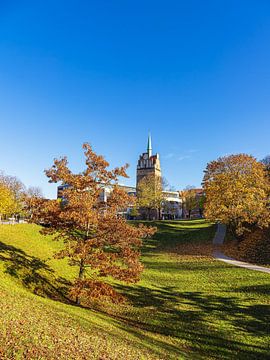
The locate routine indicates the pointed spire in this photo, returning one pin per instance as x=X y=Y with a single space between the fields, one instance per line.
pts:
x=149 y=145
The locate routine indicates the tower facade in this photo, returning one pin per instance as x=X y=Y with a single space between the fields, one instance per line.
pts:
x=148 y=164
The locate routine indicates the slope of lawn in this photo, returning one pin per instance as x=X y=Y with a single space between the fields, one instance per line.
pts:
x=186 y=306
x=254 y=249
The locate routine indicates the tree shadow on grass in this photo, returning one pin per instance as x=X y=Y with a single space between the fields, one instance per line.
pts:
x=172 y=238
x=188 y=265
x=255 y=289
x=33 y=273
x=195 y=319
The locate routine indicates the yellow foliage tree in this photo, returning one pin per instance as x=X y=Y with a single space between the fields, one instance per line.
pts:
x=150 y=195
x=8 y=203
x=16 y=189
x=237 y=192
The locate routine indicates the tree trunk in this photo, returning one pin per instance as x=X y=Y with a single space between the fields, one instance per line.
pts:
x=81 y=272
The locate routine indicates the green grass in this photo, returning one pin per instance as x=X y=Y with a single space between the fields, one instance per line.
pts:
x=186 y=306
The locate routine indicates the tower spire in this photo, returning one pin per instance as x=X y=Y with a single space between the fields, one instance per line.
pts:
x=149 y=145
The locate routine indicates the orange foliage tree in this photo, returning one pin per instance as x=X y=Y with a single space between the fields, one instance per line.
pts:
x=237 y=193
x=97 y=240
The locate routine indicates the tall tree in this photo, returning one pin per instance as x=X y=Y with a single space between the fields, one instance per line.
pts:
x=201 y=203
x=34 y=191
x=237 y=192
x=32 y=194
x=8 y=204
x=150 y=195
x=97 y=240
x=16 y=187
x=189 y=198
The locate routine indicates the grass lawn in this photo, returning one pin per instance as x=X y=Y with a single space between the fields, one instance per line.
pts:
x=186 y=306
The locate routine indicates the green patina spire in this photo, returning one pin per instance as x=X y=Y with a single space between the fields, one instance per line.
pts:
x=149 y=145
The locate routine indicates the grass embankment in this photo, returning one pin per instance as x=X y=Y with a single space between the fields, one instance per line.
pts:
x=254 y=248
x=186 y=306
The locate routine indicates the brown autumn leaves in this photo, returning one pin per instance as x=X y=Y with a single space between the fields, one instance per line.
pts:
x=237 y=189
x=97 y=240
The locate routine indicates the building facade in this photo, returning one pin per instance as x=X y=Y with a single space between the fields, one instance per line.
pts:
x=171 y=203
x=148 y=165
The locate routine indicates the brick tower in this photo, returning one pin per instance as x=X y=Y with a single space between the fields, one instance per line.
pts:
x=148 y=164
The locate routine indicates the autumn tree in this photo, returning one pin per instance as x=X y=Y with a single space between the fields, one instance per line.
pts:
x=98 y=241
x=201 y=203
x=8 y=204
x=17 y=188
x=134 y=212
x=189 y=198
x=237 y=189
x=150 y=195
x=32 y=194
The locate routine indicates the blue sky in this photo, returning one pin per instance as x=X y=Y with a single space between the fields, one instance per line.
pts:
x=194 y=73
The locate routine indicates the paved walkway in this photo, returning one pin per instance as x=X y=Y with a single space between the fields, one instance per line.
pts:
x=218 y=241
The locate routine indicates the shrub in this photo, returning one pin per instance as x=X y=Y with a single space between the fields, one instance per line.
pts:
x=255 y=247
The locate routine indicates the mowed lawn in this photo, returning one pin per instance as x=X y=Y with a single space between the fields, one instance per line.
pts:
x=186 y=306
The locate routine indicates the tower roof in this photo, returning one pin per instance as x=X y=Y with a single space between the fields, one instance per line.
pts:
x=149 y=145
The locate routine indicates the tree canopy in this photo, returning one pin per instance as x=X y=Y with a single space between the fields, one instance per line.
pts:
x=97 y=240
x=149 y=194
x=8 y=204
x=237 y=192
x=189 y=198
x=16 y=190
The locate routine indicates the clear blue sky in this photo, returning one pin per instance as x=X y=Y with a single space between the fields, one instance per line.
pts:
x=194 y=73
